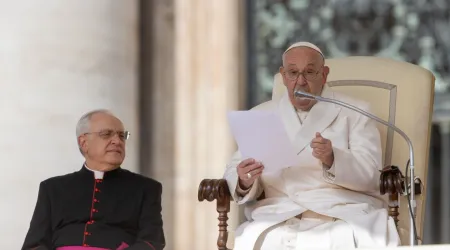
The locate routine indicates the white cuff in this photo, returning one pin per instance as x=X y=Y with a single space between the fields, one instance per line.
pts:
x=242 y=192
x=250 y=196
x=329 y=173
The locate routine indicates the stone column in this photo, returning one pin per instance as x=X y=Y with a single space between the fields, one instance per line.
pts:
x=157 y=77
x=58 y=60
x=445 y=182
x=208 y=69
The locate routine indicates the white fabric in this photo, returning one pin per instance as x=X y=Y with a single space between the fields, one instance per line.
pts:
x=329 y=172
x=241 y=191
x=296 y=234
x=302 y=115
x=304 y=44
x=97 y=174
x=352 y=195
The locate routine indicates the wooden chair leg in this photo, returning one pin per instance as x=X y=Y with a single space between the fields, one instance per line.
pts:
x=393 y=207
x=217 y=189
x=223 y=208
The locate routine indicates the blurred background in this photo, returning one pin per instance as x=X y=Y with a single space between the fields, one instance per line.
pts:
x=171 y=69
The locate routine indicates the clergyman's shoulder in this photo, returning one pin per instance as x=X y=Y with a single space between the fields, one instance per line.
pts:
x=55 y=180
x=139 y=178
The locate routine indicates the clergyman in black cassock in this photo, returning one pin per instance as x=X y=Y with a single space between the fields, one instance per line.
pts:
x=98 y=207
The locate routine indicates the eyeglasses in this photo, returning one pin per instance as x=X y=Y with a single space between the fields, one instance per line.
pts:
x=108 y=134
x=308 y=75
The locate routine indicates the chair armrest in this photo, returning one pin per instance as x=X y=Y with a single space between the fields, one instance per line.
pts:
x=214 y=189
x=217 y=189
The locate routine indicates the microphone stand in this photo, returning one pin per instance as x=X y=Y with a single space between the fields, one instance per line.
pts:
x=412 y=235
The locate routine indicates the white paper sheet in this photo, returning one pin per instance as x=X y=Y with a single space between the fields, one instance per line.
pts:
x=261 y=135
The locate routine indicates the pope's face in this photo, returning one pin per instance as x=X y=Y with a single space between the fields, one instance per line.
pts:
x=303 y=69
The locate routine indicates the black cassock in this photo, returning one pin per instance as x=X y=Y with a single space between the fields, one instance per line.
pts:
x=78 y=210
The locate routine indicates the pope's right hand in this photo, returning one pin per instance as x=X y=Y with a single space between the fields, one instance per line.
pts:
x=248 y=171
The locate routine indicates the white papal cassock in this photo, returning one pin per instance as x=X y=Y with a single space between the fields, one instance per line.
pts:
x=347 y=194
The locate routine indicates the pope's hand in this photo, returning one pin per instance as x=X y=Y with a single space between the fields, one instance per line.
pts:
x=248 y=171
x=323 y=150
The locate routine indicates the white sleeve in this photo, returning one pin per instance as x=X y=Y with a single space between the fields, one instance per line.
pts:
x=358 y=167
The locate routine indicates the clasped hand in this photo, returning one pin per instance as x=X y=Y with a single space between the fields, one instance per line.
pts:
x=323 y=150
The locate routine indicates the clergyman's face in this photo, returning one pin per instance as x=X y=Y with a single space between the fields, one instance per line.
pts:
x=308 y=65
x=105 y=141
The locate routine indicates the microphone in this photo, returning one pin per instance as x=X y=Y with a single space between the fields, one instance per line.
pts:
x=301 y=94
x=412 y=202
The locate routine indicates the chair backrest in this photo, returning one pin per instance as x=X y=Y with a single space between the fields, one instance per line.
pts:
x=399 y=92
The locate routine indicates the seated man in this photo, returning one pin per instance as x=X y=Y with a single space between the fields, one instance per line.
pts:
x=101 y=206
x=330 y=199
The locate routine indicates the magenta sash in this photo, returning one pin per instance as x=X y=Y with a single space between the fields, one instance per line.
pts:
x=80 y=248
x=121 y=247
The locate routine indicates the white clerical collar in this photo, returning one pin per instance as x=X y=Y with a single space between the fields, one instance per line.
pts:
x=302 y=115
x=97 y=174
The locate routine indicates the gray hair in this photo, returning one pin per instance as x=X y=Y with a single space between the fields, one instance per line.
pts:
x=84 y=123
